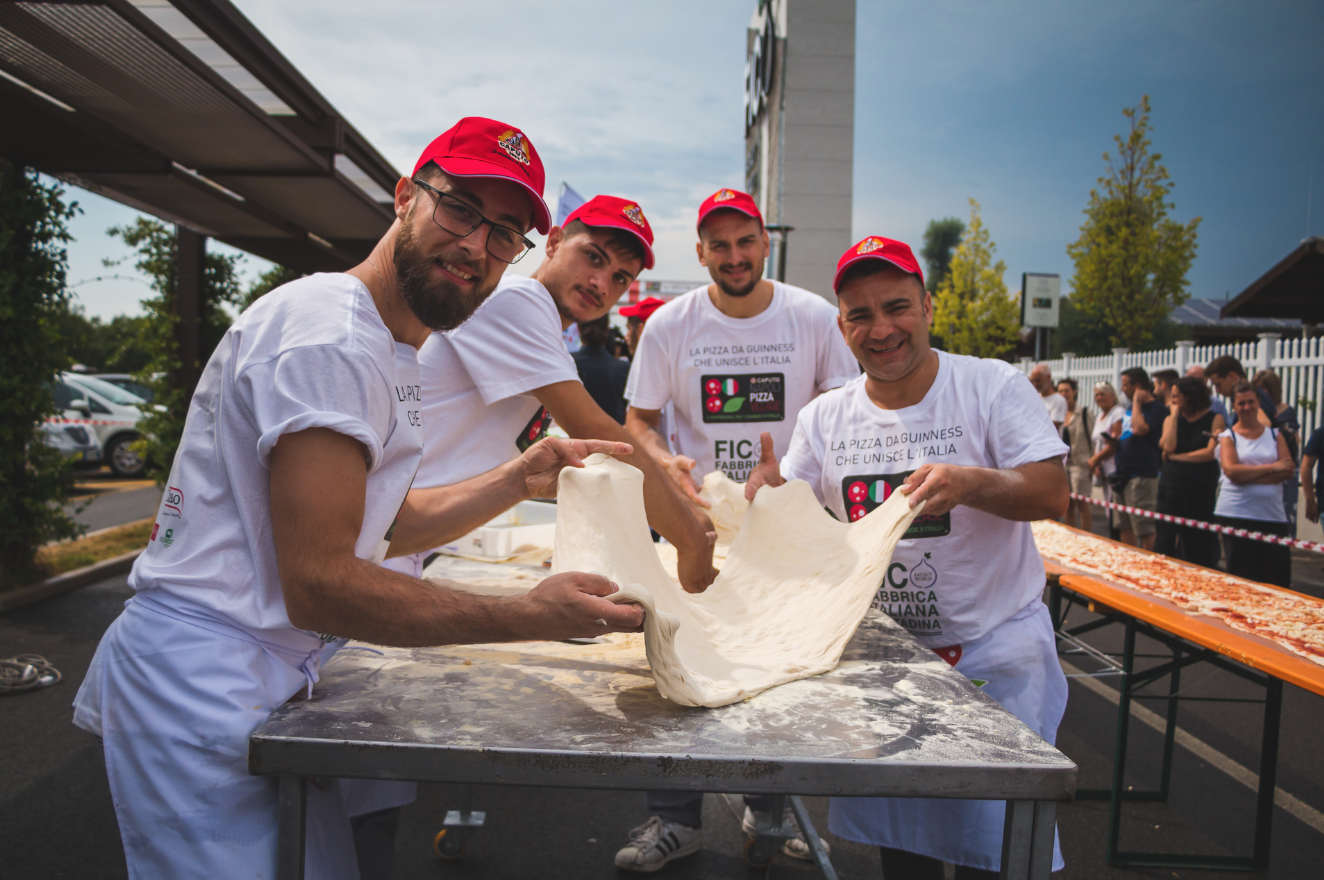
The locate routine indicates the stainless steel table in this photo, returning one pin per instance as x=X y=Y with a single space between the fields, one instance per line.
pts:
x=892 y=720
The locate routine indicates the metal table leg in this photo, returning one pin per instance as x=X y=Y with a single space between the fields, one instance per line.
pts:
x=1273 y=713
x=769 y=836
x=1027 y=840
x=292 y=800
x=811 y=837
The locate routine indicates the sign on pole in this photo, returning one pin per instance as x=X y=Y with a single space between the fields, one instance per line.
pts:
x=1040 y=295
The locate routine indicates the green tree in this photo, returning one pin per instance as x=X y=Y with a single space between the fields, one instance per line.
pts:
x=106 y=347
x=972 y=310
x=35 y=479
x=269 y=281
x=163 y=425
x=1131 y=259
x=1086 y=337
x=940 y=239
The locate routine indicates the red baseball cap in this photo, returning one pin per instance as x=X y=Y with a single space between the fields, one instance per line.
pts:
x=618 y=214
x=643 y=310
x=479 y=147
x=729 y=198
x=878 y=248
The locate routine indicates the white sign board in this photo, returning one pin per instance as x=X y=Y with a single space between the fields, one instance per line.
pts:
x=1040 y=295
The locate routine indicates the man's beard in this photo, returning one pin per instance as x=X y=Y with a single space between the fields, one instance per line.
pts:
x=440 y=305
x=738 y=292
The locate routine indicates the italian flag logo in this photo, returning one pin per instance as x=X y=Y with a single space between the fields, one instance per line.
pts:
x=729 y=387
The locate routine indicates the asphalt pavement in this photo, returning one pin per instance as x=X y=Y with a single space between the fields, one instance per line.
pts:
x=60 y=823
x=102 y=500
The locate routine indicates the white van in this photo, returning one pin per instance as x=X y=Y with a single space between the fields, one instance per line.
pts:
x=108 y=411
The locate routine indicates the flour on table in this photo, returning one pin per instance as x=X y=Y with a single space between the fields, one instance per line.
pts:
x=795 y=584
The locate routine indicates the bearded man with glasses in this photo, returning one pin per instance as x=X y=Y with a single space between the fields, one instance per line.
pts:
x=494 y=385
x=287 y=492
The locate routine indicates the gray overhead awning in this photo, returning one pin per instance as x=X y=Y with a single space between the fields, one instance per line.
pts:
x=1292 y=289
x=182 y=109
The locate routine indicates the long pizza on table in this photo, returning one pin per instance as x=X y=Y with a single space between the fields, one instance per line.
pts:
x=1294 y=621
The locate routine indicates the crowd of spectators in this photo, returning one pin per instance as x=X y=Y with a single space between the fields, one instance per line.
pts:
x=1168 y=444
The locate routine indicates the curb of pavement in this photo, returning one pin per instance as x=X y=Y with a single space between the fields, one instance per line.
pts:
x=70 y=580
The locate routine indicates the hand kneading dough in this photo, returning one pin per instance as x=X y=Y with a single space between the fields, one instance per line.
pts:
x=795 y=585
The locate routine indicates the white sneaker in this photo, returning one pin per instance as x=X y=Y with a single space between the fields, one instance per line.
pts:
x=657 y=842
x=795 y=847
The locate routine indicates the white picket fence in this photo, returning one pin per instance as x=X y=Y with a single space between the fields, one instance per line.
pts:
x=1298 y=362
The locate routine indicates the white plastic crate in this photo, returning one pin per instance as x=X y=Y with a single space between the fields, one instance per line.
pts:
x=527 y=526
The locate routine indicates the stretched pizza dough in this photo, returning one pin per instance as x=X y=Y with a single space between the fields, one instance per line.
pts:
x=795 y=585
x=727 y=498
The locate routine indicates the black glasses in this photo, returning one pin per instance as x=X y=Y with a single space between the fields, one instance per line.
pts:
x=459 y=218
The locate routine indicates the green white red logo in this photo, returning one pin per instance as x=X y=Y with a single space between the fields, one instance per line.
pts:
x=751 y=397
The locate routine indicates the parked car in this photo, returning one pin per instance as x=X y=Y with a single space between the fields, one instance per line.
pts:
x=75 y=442
x=108 y=411
x=128 y=383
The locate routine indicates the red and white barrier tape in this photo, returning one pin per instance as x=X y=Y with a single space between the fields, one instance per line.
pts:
x=1208 y=527
x=119 y=422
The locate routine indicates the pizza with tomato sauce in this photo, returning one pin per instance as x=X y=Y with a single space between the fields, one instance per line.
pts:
x=1294 y=621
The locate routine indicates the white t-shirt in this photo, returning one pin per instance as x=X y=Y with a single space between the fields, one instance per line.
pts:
x=1056 y=405
x=1104 y=425
x=734 y=378
x=956 y=576
x=477 y=381
x=1260 y=501
x=312 y=354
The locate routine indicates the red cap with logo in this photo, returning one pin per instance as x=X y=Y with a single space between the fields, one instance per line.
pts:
x=618 y=214
x=479 y=147
x=643 y=310
x=733 y=199
x=876 y=247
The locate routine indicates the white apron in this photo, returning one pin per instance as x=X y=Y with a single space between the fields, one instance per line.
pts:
x=186 y=804
x=1019 y=661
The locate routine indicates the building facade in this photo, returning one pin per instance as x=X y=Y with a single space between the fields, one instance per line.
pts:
x=800 y=130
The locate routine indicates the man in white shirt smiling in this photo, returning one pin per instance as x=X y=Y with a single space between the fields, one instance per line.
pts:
x=972 y=440
x=733 y=358
x=1056 y=405
x=493 y=385
x=288 y=489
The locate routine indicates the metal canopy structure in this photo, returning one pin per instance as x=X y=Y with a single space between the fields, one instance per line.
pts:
x=182 y=109
x=1292 y=289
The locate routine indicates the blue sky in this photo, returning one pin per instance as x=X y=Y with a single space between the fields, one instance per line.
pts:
x=1012 y=103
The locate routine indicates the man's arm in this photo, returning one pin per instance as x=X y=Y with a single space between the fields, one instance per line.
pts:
x=1038 y=490
x=642 y=425
x=434 y=516
x=1308 y=486
x=579 y=416
x=318 y=486
x=1140 y=427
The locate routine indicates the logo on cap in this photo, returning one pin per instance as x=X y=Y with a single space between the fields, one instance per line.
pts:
x=724 y=196
x=515 y=145
x=634 y=215
x=869 y=245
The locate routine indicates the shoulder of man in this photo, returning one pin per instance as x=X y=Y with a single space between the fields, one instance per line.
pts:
x=831 y=406
x=677 y=309
x=516 y=297
x=328 y=308
x=988 y=374
x=806 y=301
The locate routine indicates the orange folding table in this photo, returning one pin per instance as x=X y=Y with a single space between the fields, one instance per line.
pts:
x=1188 y=639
